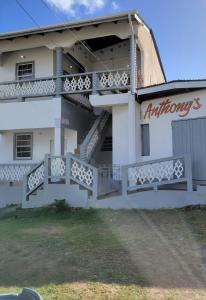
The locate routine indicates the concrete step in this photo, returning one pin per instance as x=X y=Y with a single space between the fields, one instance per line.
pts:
x=73 y=195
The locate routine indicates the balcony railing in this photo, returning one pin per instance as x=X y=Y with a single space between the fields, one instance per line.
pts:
x=14 y=172
x=81 y=83
x=156 y=173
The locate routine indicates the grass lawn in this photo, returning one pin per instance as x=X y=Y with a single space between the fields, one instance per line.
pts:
x=105 y=254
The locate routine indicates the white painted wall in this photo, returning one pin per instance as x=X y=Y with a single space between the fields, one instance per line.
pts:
x=70 y=141
x=41 y=145
x=114 y=57
x=42 y=57
x=120 y=134
x=161 y=128
x=34 y=114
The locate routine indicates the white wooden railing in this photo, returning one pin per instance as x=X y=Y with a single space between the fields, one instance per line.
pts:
x=14 y=172
x=65 y=169
x=29 y=88
x=80 y=83
x=155 y=173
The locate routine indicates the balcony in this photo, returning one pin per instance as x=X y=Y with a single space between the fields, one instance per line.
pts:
x=109 y=81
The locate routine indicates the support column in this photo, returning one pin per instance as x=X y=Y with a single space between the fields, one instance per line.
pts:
x=59 y=139
x=132 y=107
x=133 y=63
x=1 y=59
x=59 y=70
x=132 y=138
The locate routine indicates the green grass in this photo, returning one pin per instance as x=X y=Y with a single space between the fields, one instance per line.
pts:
x=105 y=254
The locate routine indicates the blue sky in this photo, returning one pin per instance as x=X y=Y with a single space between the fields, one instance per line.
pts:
x=178 y=25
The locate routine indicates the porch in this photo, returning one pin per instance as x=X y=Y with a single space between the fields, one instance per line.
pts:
x=161 y=183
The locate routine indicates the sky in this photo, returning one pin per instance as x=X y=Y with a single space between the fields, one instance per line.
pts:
x=178 y=25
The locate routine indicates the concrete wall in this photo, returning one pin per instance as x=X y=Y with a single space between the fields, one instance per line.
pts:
x=114 y=57
x=151 y=70
x=10 y=195
x=21 y=115
x=78 y=118
x=161 y=128
x=41 y=145
x=120 y=134
x=42 y=57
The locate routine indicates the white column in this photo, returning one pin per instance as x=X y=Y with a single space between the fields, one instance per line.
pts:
x=133 y=62
x=59 y=70
x=132 y=113
x=59 y=140
x=132 y=138
x=1 y=59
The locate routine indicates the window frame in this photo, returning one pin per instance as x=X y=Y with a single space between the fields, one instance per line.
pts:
x=25 y=63
x=15 y=146
x=145 y=152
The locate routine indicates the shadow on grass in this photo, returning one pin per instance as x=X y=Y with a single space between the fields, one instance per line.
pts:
x=164 y=249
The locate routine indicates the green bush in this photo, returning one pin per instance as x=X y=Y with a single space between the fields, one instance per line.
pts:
x=60 y=205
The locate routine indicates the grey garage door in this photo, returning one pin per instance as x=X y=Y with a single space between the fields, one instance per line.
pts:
x=189 y=136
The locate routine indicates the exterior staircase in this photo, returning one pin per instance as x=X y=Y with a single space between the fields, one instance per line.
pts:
x=94 y=137
x=60 y=177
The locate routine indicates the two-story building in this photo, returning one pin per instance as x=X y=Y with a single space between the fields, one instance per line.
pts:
x=95 y=89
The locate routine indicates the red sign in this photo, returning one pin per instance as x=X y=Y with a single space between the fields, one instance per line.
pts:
x=169 y=107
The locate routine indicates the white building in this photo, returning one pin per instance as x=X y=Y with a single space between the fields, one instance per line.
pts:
x=84 y=106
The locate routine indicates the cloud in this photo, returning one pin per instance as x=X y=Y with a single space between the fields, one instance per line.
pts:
x=115 y=5
x=74 y=7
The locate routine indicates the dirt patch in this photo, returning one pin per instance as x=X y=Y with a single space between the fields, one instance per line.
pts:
x=52 y=229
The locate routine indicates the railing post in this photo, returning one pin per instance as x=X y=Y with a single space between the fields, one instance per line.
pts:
x=24 y=188
x=68 y=169
x=124 y=180
x=188 y=172
x=95 y=184
x=46 y=171
x=95 y=83
x=59 y=71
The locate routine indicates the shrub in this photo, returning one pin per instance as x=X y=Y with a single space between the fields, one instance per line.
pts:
x=60 y=205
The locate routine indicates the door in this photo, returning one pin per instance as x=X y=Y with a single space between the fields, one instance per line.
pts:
x=189 y=136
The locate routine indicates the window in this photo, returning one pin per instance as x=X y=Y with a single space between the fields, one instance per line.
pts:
x=25 y=71
x=145 y=139
x=23 y=146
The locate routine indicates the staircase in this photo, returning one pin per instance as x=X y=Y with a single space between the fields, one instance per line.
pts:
x=81 y=99
x=60 y=177
x=95 y=137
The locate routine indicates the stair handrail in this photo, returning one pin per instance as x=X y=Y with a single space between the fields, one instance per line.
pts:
x=82 y=173
x=95 y=134
x=38 y=179
x=158 y=172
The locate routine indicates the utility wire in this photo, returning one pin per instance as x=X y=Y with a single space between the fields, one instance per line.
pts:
x=39 y=26
x=75 y=35
x=27 y=13
x=35 y=22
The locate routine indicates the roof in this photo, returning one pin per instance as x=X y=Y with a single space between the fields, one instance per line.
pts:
x=82 y=23
x=70 y=25
x=170 y=88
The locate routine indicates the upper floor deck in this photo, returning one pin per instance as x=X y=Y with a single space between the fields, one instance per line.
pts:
x=105 y=55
